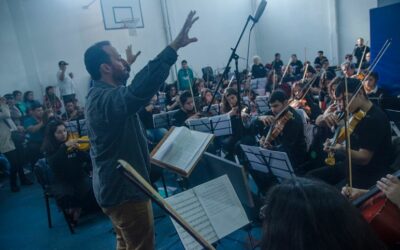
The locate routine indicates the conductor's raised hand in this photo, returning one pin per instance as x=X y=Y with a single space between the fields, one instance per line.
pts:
x=183 y=37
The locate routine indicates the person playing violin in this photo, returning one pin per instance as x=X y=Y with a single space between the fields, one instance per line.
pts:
x=72 y=186
x=291 y=138
x=371 y=144
x=186 y=110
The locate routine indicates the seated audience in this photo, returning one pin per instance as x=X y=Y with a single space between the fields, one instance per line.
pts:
x=73 y=112
x=51 y=100
x=29 y=100
x=35 y=126
x=7 y=147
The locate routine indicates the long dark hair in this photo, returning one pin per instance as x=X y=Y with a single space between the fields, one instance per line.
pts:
x=50 y=143
x=305 y=214
x=26 y=95
x=226 y=107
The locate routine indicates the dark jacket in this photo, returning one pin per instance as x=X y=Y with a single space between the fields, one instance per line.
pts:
x=115 y=132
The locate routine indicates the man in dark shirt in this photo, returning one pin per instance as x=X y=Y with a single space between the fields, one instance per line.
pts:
x=291 y=139
x=258 y=70
x=371 y=145
x=319 y=58
x=359 y=51
x=296 y=65
x=277 y=63
x=115 y=133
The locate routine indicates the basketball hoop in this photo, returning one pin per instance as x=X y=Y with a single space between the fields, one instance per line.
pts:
x=131 y=25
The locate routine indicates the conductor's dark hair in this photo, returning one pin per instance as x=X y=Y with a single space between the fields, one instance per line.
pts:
x=278 y=95
x=304 y=214
x=353 y=85
x=184 y=97
x=94 y=57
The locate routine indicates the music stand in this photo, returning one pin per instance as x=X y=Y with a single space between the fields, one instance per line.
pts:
x=163 y=120
x=276 y=163
x=262 y=104
x=219 y=125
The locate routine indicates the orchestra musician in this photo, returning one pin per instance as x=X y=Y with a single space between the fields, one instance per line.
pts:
x=291 y=138
x=115 y=133
x=371 y=145
x=186 y=110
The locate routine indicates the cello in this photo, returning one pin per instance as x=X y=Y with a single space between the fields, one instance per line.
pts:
x=381 y=214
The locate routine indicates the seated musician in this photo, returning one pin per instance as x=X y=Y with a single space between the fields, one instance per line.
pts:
x=316 y=217
x=389 y=185
x=306 y=103
x=206 y=97
x=375 y=93
x=186 y=110
x=172 y=97
x=371 y=145
x=348 y=69
x=154 y=135
x=72 y=185
x=291 y=137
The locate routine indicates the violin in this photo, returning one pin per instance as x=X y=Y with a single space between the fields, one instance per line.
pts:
x=277 y=128
x=340 y=136
x=83 y=142
x=382 y=214
x=301 y=104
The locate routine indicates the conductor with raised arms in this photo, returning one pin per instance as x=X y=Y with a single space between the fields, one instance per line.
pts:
x=115 y=133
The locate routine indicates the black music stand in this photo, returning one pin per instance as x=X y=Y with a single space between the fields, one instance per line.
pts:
x=276 y=163
x=164 y=120
x=262 y=104
x=219 y=125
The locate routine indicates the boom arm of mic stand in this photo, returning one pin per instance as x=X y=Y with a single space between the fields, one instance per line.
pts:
x=233 y=54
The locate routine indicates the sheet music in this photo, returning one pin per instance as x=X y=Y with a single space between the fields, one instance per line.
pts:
x=189 y=208
x=182 y=147
x=254 y=157
x=279 y=164
x=222 y=124
x=222 y=205
x=262 y=104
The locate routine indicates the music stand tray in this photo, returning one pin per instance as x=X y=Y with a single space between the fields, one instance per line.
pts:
x=267 y=161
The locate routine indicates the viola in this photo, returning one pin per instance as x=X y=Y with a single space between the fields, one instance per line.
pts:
x=277 y=128
x=340 y=135
x=301 y=104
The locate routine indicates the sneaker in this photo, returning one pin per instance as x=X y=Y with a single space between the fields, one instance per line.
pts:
x=14 y=189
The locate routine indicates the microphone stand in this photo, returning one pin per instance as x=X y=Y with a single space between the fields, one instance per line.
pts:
x=232 y=57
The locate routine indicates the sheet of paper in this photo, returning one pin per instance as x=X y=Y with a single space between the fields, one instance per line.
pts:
x=221 y=205
x=189 y=208
x=182 y=147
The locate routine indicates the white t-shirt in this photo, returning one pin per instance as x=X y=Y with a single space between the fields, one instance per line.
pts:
x=66 y=86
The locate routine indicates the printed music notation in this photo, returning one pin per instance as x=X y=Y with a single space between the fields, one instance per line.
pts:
x=212 y=209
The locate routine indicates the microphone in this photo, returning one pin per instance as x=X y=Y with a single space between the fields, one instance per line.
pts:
x=260 y=10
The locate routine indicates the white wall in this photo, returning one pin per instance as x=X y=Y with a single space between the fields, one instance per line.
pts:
x=53 y=30
x=289 y=27
x=218 y=30
x=36 y=34
x=353 y=22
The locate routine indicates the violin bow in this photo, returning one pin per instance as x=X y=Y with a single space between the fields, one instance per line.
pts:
x=191 y=90
x=286 y=69
x=347 y=135
x=386 y=45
